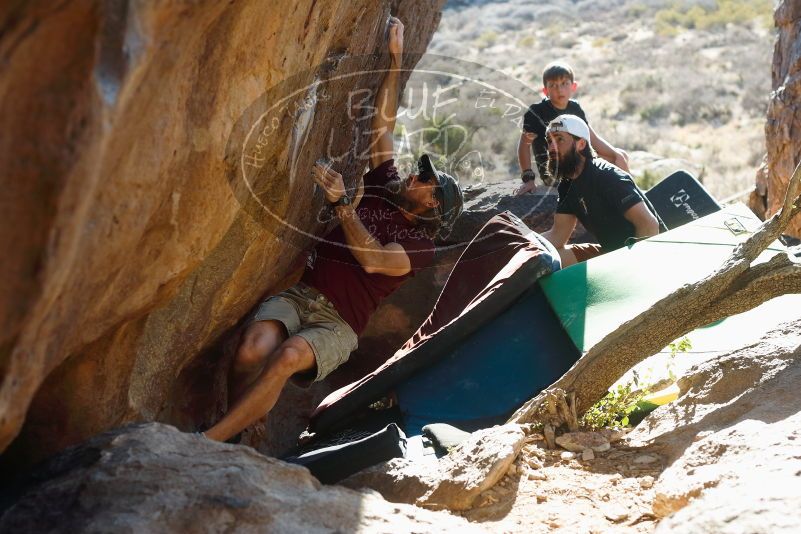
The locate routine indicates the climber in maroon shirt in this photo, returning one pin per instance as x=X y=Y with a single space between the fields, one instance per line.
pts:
x=384 y=236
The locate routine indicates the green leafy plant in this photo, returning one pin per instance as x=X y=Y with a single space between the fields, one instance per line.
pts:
x=614 y=409
x=654 y=112
x=619 y=404
x=526 y=42
x=446 y=138
x=486 y=40
x=647 y=179
x=680 y=345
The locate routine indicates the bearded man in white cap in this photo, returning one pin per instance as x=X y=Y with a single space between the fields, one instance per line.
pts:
x=600 y=195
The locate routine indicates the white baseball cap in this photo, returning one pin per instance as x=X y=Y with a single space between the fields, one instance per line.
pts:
x=570 y=124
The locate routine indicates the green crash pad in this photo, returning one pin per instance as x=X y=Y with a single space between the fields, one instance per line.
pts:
x=593 y=298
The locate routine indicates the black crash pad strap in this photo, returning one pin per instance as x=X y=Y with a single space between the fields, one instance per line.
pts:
x=334 y=463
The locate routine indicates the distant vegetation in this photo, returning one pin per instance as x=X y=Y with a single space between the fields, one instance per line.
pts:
x=486 y=39
x=687 y=80
x=711 y=15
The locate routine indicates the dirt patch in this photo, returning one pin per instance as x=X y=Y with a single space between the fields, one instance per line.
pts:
x=557 y=491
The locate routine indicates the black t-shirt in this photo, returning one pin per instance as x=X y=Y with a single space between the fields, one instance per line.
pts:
x=537 y=119
x=599 y=197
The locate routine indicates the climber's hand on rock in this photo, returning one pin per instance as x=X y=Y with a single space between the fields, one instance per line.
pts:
x=330 y=180
x=527 y=187
x=395 y=36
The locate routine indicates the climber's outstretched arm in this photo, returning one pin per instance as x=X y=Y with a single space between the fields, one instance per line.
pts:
x=386 y=101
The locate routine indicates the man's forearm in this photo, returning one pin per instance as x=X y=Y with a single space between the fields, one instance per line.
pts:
x=647 y=229
x=644 y=222
x=561 y=230
x=387 y=99
x=367 y=250
x=606 y=152
x=603 y=148
x=524 y=155
x=554 y=240
x=621 y=162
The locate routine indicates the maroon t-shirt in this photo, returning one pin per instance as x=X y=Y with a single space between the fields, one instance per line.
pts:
x=336 y=273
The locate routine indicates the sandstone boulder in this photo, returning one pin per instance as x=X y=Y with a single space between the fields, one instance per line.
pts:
x=582 y=441
x=135 y=251
x=152 y=478
x=733 y=441
x=452 y=482
x=657 y=167
x=784 y=116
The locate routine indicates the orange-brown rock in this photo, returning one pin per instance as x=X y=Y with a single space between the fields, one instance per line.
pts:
x=783 y=128
x=131 y=253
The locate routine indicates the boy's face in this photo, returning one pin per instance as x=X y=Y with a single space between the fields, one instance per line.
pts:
x=560 y=91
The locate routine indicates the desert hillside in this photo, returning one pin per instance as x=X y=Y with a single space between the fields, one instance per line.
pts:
x=672 y=79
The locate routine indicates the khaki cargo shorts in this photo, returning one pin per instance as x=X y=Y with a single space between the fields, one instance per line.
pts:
x=307 y=313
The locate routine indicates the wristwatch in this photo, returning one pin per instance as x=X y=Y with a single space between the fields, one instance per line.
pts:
x=528 y=176
x=343 y=201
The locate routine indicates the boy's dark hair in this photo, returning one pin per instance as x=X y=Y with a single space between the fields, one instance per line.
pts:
x=555 y=71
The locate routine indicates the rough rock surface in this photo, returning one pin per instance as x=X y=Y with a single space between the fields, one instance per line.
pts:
x=658 y=167
x=452 y=482
x=581 y=441
x=722 y=458
x=134 y=253
x=783 y=128
x=152 y=478
x=734 y=431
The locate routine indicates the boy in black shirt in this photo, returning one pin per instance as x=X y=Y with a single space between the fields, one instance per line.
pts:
x=558 y=88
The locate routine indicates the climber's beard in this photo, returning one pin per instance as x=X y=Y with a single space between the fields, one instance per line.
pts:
x=564 y=165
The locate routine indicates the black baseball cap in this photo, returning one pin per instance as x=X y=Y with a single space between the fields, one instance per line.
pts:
x=451 y=201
